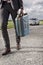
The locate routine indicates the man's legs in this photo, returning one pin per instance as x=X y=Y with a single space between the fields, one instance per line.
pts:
x=14 y=14
x=5 y=15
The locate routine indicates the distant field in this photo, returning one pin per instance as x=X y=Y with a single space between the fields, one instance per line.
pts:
x=11 y=25
x=41 y=22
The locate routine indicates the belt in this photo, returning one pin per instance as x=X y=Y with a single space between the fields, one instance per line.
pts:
x=7 y=1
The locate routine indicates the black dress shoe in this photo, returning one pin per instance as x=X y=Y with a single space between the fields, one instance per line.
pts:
x=6 y=52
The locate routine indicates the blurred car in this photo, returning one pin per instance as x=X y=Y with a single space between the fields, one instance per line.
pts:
x=34 y=21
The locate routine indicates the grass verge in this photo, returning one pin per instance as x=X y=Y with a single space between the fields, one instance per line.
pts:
x=41 y=22
x=10 y=24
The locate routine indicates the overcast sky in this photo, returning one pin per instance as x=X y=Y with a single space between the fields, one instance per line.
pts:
x=34 y=8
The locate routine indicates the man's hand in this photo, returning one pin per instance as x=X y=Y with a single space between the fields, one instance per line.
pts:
x=21 y=12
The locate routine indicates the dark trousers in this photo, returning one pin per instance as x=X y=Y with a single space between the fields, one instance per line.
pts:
x=7 y=9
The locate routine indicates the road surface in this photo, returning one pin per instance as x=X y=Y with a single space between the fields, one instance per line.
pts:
x=31 y=52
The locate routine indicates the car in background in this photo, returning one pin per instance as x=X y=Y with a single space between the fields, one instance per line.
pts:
x=33 y=21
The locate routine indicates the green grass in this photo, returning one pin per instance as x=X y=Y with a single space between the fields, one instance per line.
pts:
x=10 y=24
x=41 y=22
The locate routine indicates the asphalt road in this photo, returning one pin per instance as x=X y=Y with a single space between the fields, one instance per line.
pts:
x=31 y=52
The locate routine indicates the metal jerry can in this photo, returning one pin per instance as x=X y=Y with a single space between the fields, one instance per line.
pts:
x=22 y=25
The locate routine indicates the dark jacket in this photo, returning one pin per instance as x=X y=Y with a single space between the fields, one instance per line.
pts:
x=16 y=3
